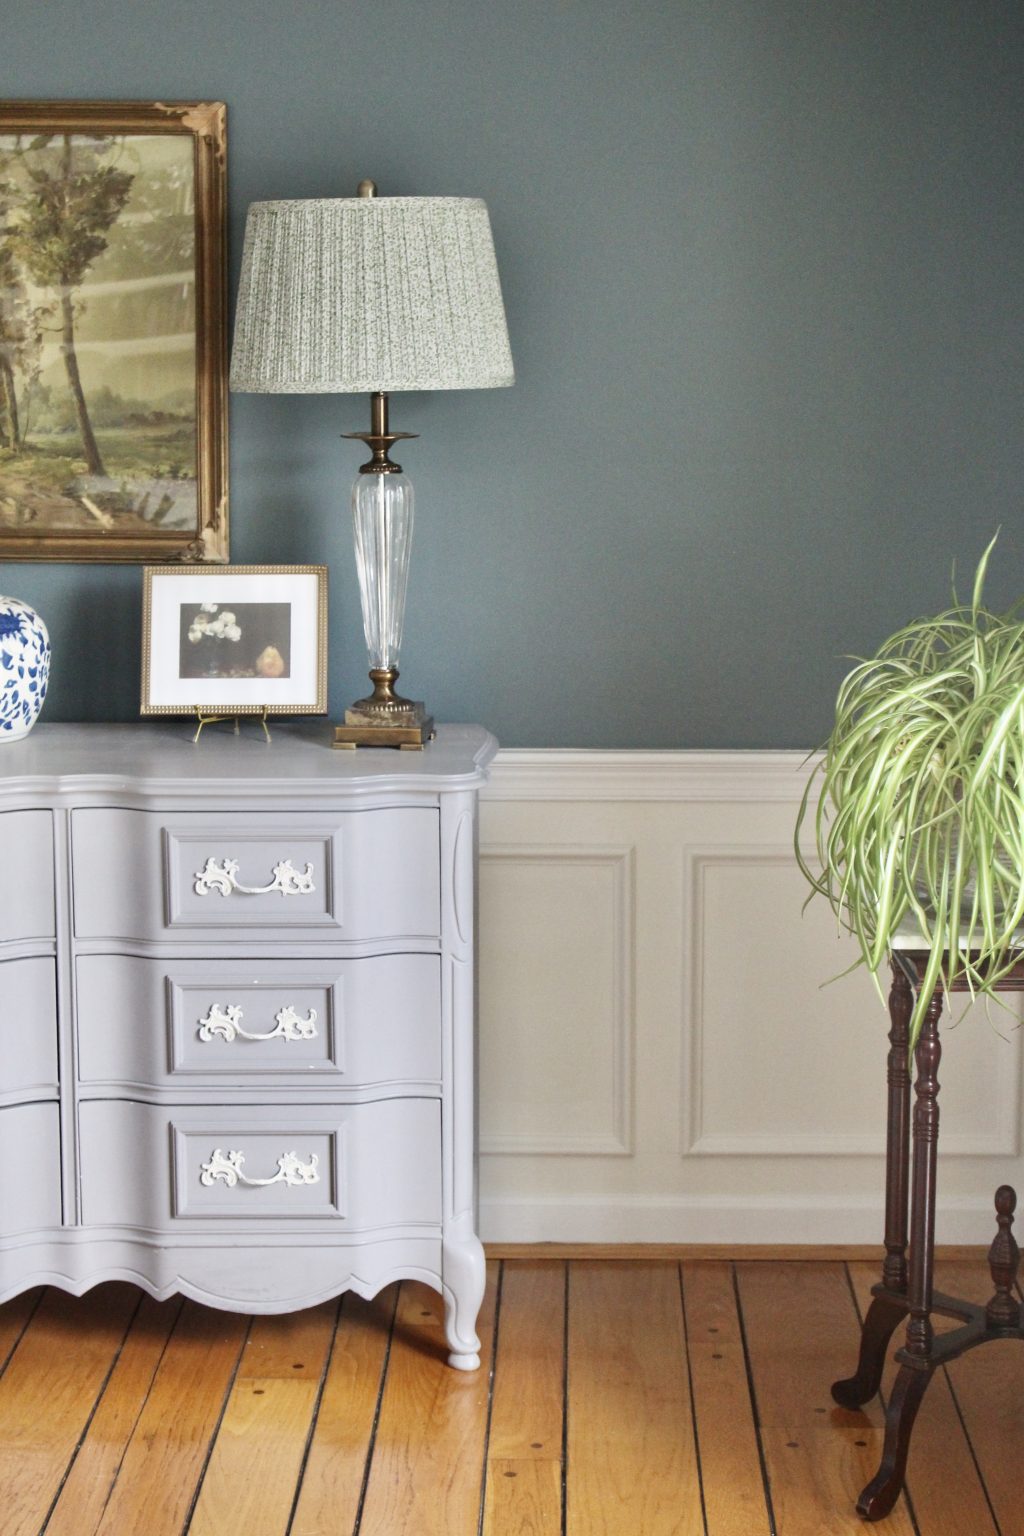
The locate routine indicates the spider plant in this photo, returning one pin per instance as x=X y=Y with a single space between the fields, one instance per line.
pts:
x=920 y=815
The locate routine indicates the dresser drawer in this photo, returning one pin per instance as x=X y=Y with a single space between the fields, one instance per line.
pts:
x=271 y=1023
x=354 y=1168
x=353 y=875
x=28 y=1029
x=26 y=889
x=30 y=1158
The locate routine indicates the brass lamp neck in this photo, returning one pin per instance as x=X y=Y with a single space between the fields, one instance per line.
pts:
x=379 y=439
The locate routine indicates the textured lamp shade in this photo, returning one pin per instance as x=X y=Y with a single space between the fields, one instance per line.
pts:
x=360 y=294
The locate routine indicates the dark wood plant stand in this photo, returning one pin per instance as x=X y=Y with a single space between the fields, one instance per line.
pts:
x=906 y=1290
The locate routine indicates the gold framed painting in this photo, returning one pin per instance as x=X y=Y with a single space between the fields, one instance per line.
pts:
x=113 y=339
x=234 y=640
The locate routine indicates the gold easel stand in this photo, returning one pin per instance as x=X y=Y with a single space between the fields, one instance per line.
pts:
x=207 y=719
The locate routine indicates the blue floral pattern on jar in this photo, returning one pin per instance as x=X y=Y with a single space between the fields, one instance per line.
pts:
x=24 y=667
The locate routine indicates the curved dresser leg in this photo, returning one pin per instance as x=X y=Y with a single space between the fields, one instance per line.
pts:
x=880 y=1324
x=465 y=1276
x=884 y=1488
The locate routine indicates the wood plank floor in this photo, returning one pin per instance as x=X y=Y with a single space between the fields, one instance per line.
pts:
x=616 y=1398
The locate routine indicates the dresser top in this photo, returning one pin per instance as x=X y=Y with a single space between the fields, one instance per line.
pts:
x=162 y=756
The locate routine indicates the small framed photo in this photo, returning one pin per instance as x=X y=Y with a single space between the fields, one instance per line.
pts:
x=234 y=640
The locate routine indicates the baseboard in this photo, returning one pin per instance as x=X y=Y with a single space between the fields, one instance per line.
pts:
x=723 y=1223
x=792 y=1253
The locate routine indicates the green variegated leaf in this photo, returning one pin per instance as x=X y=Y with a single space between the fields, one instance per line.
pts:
x=918 y=801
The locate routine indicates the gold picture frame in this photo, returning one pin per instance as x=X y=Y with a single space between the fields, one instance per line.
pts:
x=113 y=331
x=234 y=640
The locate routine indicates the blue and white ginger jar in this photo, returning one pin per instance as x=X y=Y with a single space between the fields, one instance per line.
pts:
x=24 y=667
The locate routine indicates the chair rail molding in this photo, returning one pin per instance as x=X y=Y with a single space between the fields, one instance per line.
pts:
x=580 y=774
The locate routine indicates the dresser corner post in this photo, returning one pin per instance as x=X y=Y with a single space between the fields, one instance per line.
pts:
x=463 y=1267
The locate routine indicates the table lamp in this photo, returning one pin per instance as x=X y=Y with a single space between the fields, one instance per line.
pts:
x=372 y=294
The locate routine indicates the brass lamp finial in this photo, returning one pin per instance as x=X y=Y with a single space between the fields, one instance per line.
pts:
x=366 y=188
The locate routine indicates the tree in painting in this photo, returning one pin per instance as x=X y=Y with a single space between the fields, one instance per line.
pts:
x=98 y=394
x=19 y=329
x=73 y=199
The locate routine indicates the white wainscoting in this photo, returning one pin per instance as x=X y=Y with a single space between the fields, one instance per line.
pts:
x=659 y=1058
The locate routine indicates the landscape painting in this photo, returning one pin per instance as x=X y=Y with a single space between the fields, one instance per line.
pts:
x=112 y=345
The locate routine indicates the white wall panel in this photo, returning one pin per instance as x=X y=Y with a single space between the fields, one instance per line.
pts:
x=659 y=1058
x=558 y=1000
x=777 y=1062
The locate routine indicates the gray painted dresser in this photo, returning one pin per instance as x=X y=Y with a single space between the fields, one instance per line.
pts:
x=237 y=1016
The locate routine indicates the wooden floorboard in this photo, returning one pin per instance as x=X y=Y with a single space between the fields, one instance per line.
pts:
x=91 y=1479
x=272 y=1405
x=734 y=1486
x=15 y=1316
x=524 y=1453
x=524 y=1497
x=50 y=1391
x=426 y=1473
x=171 y=1440
x=631 y=1451
x=644 y=1397
x=335 y=1472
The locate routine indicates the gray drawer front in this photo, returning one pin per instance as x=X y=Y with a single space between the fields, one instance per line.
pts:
x=377 y=1165
x=28 y=1029
x=352 y=875
x=30 y=1158
x=348 y=1023
x=26 y=892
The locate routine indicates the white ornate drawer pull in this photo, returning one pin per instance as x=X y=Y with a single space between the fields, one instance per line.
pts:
x=219 y=875
x=226 y=1022
x=290 y=1170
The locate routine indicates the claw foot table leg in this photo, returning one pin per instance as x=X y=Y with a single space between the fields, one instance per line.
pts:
x=879 y=1326
x=881 y=1493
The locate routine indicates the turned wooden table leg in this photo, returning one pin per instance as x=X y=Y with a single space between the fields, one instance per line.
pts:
x=884 y=1314
x=1003 y=1311
x=917 y=1366
x=927 y=1057
x=897 y=1139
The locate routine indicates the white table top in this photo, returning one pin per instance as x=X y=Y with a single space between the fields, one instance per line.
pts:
x=162 y=755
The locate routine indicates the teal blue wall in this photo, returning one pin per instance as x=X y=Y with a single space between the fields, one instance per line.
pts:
x=763 y=269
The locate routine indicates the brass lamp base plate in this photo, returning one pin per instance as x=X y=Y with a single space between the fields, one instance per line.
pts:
x=411 y=730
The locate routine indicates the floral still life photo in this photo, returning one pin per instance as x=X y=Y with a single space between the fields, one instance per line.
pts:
x=245 y=640
x=238 y=639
